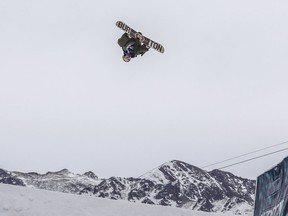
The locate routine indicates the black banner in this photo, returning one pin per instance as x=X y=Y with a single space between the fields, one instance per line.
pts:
x=272 y=191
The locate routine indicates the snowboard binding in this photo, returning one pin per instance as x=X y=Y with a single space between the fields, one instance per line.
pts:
x=140 y=37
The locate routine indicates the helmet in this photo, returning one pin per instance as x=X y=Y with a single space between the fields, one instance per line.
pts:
x=126 y=58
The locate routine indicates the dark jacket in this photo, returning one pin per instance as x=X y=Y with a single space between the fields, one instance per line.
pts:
x=125 y=41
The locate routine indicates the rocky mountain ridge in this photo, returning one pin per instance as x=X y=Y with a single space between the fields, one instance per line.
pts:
x=174 y=183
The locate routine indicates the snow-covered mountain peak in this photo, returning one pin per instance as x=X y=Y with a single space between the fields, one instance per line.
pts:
x=63 y=172
x=175 y=170
x=91 y=175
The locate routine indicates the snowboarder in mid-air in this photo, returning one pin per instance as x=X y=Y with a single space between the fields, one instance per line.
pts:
x=132 y=47
x=133 y=43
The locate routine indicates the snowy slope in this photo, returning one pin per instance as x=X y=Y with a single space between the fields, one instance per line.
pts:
x=23 y=201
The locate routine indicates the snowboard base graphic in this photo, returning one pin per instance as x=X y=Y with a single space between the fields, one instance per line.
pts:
x=143 y=39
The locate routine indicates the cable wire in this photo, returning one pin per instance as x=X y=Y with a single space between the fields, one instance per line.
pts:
x=244 y=154
x=253 y=158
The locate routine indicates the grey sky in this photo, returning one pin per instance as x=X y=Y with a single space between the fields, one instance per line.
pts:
x=67 y=100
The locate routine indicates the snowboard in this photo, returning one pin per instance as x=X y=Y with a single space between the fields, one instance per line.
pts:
x=143 y=39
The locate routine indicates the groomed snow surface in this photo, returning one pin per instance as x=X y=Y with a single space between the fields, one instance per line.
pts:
x=23 y=201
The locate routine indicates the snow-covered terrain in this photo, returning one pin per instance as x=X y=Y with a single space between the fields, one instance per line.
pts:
x=23 y=201
x=174 y=183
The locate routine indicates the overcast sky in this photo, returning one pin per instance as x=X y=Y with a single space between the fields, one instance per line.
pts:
x=67 y=100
